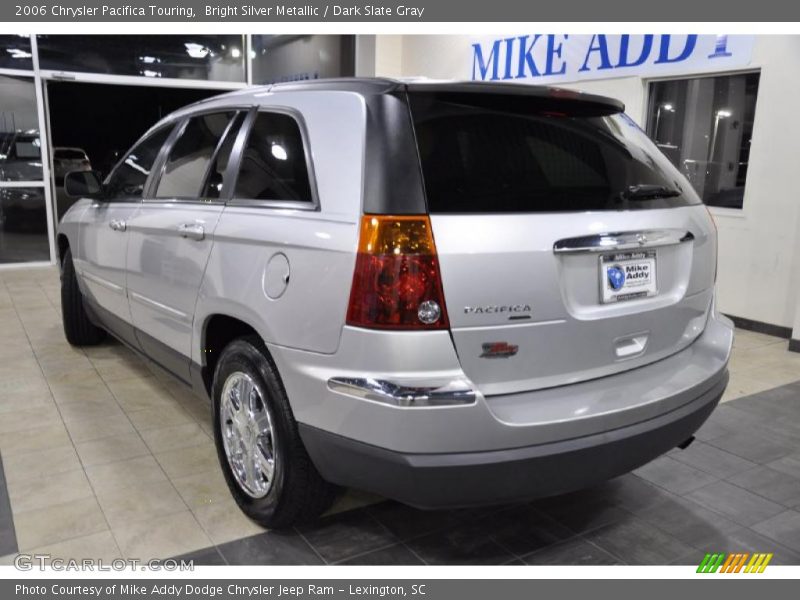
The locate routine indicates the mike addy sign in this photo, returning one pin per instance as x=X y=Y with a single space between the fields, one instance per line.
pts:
x=552 y=58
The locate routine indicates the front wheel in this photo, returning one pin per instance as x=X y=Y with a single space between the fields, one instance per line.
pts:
x=262 y=456
x=78 y=329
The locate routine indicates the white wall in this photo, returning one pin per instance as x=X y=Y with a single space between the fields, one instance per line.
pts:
x=389 y=55
x=759 y=259
x=366 y=53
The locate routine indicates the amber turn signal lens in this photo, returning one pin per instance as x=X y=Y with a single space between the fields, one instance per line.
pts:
x=397 y=283
x=396 y=235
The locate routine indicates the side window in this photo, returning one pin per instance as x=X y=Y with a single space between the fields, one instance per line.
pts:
x=273 y=165
x=214 y=178
x=190 y=156
x=127 y=181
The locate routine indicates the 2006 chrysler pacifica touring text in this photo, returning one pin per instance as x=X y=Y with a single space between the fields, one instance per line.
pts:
x=450 y=294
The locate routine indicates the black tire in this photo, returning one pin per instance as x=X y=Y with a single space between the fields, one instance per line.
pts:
x=298 y=494
x=78 y=329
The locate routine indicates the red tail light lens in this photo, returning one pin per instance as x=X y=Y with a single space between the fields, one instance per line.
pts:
x=397 y=284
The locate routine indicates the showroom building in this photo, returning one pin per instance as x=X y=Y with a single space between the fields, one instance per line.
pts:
x=720 y=107
x=80 y=101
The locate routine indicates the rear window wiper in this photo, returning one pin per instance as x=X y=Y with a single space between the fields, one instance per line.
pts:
x=646 y=191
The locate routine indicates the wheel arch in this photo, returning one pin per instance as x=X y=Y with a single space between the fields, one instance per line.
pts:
x=218 y=330
x=62 y=245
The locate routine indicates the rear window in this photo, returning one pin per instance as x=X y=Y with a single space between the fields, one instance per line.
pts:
x=494 y=154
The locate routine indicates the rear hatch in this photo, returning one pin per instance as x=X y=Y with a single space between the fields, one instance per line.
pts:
x=570 y=247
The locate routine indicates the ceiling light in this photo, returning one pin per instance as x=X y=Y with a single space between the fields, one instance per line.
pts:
x=279 y=152
x=18 y=53
x=196 y=50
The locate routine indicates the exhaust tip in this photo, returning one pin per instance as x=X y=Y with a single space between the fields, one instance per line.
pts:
x=686 y=443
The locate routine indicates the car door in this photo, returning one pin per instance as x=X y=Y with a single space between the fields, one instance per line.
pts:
x=171 y=236
x=101 y=253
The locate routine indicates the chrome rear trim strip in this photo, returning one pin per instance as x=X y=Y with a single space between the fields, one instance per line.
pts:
x=626 y=240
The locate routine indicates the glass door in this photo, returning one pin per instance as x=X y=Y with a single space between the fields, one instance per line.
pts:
x=23 y=205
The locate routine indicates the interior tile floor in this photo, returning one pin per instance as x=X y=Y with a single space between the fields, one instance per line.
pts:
x=101 y=455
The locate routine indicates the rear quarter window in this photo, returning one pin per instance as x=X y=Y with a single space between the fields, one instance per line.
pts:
x=273 y=164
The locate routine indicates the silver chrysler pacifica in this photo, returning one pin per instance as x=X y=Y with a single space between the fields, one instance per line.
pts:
x=449 y=294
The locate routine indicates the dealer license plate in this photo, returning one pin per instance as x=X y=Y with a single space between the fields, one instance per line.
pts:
x=627 y=276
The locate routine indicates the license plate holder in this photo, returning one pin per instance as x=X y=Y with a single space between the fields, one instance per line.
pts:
x=627 y=276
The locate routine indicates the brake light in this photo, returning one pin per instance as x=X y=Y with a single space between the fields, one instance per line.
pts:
x=397 y=283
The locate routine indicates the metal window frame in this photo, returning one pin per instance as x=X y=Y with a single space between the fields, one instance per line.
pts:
x=141 y=80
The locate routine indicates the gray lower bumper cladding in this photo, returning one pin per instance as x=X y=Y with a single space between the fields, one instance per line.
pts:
x=473 y=479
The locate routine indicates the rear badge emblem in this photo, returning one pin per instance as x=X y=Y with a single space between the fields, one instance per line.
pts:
x=616 y=277
x=499 y=350
x=497 y=309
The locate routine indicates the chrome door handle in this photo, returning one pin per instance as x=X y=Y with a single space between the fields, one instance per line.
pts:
x=117 y=225
x=192 y=231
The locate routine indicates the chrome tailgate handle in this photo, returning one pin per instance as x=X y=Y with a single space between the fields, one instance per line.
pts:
x=631 y=346
x=627 y=240
x=192 y=231
x=117 y=225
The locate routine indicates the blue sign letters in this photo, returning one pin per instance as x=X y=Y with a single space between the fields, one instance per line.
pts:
x=565 y=57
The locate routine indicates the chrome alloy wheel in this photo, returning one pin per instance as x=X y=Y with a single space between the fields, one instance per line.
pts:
x=247 y=434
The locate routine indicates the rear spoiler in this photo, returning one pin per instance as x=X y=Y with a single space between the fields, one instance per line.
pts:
x=520 y=97
x=392 y=175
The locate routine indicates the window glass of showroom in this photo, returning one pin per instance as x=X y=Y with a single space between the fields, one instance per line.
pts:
x=705 y=126
x=184 y=56
x=279 y=58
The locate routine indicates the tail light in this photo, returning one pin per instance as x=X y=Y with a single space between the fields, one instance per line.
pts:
x=397 y=283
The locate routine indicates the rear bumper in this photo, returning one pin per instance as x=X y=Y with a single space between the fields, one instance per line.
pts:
x=421 y=360
x=475 y=478
x=502 y=448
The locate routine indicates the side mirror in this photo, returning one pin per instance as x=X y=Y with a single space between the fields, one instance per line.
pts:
x=83 y=184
